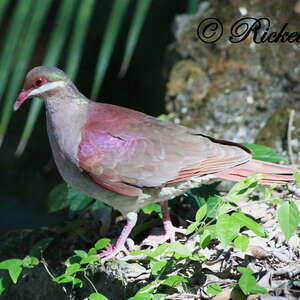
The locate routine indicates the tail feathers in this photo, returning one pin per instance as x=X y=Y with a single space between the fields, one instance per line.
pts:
x=272 y=173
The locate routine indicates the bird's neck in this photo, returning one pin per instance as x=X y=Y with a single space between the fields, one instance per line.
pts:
x=66 y=112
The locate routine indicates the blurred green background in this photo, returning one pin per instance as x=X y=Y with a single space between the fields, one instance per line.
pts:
x=78 y=37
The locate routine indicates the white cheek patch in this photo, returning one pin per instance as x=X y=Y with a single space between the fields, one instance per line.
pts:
x=47 y=87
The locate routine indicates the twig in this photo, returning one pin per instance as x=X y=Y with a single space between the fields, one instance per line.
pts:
x=90 y=282
x=44 y=263
x=289 y=135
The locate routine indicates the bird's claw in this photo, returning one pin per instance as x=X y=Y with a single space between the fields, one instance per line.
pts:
x=169 y=235
x=111 y=252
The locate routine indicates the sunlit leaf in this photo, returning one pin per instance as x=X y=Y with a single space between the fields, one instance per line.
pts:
x=109 y=40
x=247 y=283
x=243 y=220
x=241 y=242
x=180 y=249
x=157 y=266
x=227 y=228
x=14 y=267
x=214 y=289
x=102 y=243
x=264 y=153
x=289 y=217
x=297 y=178
x=97 y=296
x=173 y=280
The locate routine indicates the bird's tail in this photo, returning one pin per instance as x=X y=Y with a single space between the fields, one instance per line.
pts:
x=272 y=173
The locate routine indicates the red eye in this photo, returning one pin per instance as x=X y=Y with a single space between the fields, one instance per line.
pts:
x=39 y=82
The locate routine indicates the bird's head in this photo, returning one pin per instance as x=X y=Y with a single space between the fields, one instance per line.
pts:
x=41 y=81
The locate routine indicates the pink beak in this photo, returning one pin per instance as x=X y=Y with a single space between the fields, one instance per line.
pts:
x=21 y=98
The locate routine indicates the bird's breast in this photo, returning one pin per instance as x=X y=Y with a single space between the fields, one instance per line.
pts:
x=64 y=124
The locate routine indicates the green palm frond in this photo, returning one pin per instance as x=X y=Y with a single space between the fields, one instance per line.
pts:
x=109 y=41
x=141 y=10
x=3 y=6
x=54 y=49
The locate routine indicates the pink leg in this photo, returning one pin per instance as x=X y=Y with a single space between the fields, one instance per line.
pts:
x=112 y=251
x=170 y=230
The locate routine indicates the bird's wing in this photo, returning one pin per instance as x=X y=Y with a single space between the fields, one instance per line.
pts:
x=123 y=150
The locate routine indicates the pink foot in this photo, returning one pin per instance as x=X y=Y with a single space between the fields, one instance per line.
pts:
x=169 y=235
x=170 y=230
x=111 y=250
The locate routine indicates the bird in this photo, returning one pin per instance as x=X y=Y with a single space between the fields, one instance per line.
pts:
x=128 y=159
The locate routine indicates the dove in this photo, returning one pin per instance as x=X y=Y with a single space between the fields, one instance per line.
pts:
x=128 y=159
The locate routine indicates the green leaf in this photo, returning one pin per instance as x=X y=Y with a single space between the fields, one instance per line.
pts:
x=14 y=267
x=149 y=288
x=243 y=188
x=64 y=279
x=158 y=251
x=214 y=289
x=241 y=242
x=78 y=37
x=54 y=48
x=97 y=296
x=180 y=249
x=4 y=282
x=92 y=251
x=264 y=153
x=57 y=199
x=192 y=227
x=247 y=283
x=151 y=207
x=297 y=178
x=138 y=20
x=109 y=40
x=157 y=266
x=10 y=263
x=74 y=268
x=249 y=223
x=227 y=229
x=40 y=246
x=89 y=259
x=173 y=280
x=77 y=200
x=102 y=243
x=201 y=213
x=81 y=253
x=30 y=261
x=141 y=297
x=288 y=216
x=258 y=290
x=205 y=239
x=245 y=271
